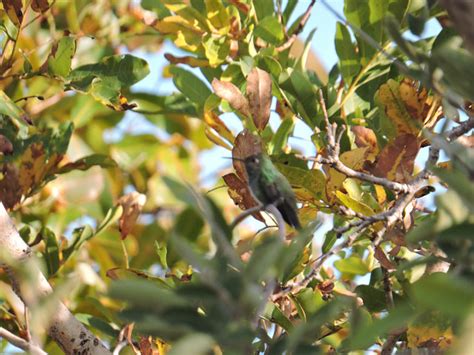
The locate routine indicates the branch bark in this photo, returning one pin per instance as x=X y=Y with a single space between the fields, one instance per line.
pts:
x=70 y=334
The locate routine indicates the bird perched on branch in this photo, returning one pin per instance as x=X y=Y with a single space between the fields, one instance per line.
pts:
x=269 y=186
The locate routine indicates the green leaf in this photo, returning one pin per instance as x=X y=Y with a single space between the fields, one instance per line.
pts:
x=445 y=293
x=300 y=87
x=353 y=204
x=106 y=79
x=275 y=315
x=79 y=236
x=189 y=224
x=51 y=252
x=264 y=258
x=145 y=294
x=280 y=139
x=96 y=323
x=216 y=50
x=162 y=252
x=348 y=58
x=364 y=337
x=329 y=241
x=263 y=8
x=190 y=85
x=289 y=8
x=352 y=265
x=196 y=344
x=374 y=299
x=111 y=217
x=16 y=115
x=88 y=162
x=60 y=58
x=311 y=180
x=270 y=30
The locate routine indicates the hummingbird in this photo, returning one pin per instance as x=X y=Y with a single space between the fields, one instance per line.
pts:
x=269 y=186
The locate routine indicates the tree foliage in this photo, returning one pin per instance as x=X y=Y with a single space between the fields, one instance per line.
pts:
x=156 y=263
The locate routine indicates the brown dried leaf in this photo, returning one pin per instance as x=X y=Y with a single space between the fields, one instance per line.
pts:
x=383 y=259
x=10 y=189
x=231 y=93
x=6 y=147
x=245 y=145
x=14 y=10
x=259 y=93
x=327 y=286
x=240 y=193
x=397 y=159
x=146 y=346
x=132 y=205
x=39 y=5
x=365 y=137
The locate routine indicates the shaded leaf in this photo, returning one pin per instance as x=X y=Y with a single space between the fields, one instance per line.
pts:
x=348 y=59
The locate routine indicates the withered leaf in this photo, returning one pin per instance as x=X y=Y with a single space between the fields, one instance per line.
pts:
x=240 y=193
x=245 y=145
x=14 y=10
x=6 y=146
x=383 y=259
x=10 y=189
x=231 y=93
x=397 y=159
x=39 y=5
x=132 y=205
x=365 y=137
x=259 y=93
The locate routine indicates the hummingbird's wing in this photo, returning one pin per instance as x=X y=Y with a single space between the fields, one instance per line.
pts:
x=288 y=212
x=285 y=204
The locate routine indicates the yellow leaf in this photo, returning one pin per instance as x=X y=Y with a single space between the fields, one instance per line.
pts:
x=353 y=204
x=218 y=16
x=214 y=122
x=354 y=159
x=389 y=97
x=214 y=138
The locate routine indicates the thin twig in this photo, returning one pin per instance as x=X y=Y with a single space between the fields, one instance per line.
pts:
x=298 y=29
x=387 y=287
x=245 y=214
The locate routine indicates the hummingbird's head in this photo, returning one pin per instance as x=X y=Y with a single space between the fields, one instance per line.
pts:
x=253 y=165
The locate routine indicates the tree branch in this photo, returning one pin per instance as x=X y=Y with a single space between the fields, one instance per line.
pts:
x=21 y=343
x=70 y=334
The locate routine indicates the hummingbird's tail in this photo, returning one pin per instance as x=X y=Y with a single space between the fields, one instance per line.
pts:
x=289 y=214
